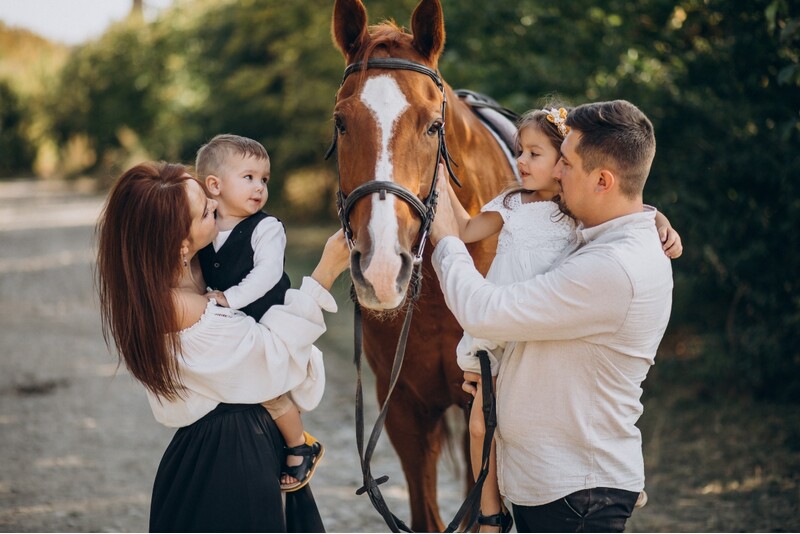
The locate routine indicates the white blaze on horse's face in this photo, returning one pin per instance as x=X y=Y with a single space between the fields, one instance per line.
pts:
x=383 y=97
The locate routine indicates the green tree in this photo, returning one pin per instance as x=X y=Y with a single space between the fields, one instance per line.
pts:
x=16 y=153
x=108 y=88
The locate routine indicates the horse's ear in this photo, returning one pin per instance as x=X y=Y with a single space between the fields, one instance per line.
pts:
x=349 y=26
x=427 y=24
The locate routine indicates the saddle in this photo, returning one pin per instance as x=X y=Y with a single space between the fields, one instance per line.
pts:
x=501 y=122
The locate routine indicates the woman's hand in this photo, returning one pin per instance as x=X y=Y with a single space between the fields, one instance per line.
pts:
x=335 y=259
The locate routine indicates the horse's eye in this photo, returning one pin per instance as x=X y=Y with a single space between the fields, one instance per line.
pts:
x=435 y=127
x=339 y=124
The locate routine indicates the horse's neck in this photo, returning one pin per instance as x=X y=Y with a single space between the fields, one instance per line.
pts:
x=482 y=166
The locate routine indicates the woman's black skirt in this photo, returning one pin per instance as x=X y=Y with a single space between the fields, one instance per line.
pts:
x=221 y=474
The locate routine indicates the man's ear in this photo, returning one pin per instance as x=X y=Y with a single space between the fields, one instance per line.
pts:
x=606 y=181
x=212 y=184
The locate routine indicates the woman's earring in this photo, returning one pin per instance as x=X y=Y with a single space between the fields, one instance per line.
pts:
x=185 y=263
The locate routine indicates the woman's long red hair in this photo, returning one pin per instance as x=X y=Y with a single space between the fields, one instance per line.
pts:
x=139 y=238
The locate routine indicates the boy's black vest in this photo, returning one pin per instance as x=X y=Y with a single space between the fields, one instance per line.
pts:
x=229 y=265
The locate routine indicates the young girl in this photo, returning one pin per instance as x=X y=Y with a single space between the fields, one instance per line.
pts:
x=533 y=233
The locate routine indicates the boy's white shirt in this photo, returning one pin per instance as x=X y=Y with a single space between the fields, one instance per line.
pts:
x=269 y=243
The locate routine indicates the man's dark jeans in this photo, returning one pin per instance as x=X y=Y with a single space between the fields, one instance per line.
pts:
x=591 y=510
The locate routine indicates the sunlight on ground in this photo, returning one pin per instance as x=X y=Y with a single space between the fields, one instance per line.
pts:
x=82 y=213
x=76 y=506
x=45 y=262
x=28 y=204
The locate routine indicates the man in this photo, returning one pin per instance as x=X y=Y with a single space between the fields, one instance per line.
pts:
x=583 y=335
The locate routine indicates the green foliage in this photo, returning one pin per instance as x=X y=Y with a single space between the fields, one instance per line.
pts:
x=721 y=85
x=108 y=89
x=719 y=80
x=16 y=154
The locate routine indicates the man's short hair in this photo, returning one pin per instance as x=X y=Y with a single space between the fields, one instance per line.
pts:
x=212 y=156
x=616 y=135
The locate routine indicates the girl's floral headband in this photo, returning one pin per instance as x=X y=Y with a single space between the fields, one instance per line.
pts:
x=559 y=118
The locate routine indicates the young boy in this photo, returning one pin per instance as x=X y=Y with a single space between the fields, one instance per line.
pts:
x=243 y=268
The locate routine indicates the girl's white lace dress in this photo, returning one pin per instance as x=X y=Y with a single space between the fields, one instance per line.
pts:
x=533 y=236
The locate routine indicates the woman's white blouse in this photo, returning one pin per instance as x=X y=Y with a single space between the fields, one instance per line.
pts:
x=228 y=357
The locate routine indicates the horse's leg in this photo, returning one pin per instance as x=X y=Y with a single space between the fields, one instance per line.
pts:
x=416 y=434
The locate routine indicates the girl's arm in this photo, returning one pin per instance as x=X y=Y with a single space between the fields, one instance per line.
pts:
x=476 y=228
x=670 y=240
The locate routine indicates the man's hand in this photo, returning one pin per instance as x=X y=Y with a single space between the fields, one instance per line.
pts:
x=444 y=224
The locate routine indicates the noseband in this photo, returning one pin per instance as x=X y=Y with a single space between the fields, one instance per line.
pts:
x=426 y=207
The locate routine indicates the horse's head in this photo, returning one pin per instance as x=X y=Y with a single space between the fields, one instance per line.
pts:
x=387 y=121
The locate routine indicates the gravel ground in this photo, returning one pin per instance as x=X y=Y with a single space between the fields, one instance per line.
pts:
x=78 y=445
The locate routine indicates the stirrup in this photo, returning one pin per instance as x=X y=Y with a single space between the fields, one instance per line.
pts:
x=312 y=452
x=502 y=520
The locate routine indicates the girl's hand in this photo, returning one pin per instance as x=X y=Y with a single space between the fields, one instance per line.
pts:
x=471 y=382
x=335 y=259
x=670 y=242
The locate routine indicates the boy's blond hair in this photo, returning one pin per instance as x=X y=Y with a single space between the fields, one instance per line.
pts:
x=212 y=156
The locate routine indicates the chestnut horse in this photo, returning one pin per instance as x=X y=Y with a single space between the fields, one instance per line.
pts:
x=387 y=123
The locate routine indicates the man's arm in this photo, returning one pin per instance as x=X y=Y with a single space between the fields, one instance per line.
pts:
x=588 y=294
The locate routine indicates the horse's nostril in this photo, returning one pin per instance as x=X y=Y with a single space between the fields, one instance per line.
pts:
x=356 y=269
x=406 y=265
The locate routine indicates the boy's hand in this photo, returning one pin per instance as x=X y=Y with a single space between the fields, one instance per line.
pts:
x=219 y=296
x=670 y=242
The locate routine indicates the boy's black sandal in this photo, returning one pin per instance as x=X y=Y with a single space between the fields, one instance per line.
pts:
x=311 y=451
x=502 y=520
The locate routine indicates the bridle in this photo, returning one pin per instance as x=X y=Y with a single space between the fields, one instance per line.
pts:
x=424 y=208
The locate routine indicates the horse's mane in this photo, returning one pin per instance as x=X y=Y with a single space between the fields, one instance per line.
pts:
x=387 y=35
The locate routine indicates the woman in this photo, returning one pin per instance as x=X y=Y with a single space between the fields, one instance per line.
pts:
x=207 y=368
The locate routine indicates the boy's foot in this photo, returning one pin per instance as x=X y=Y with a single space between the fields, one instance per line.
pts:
x=294 y=477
